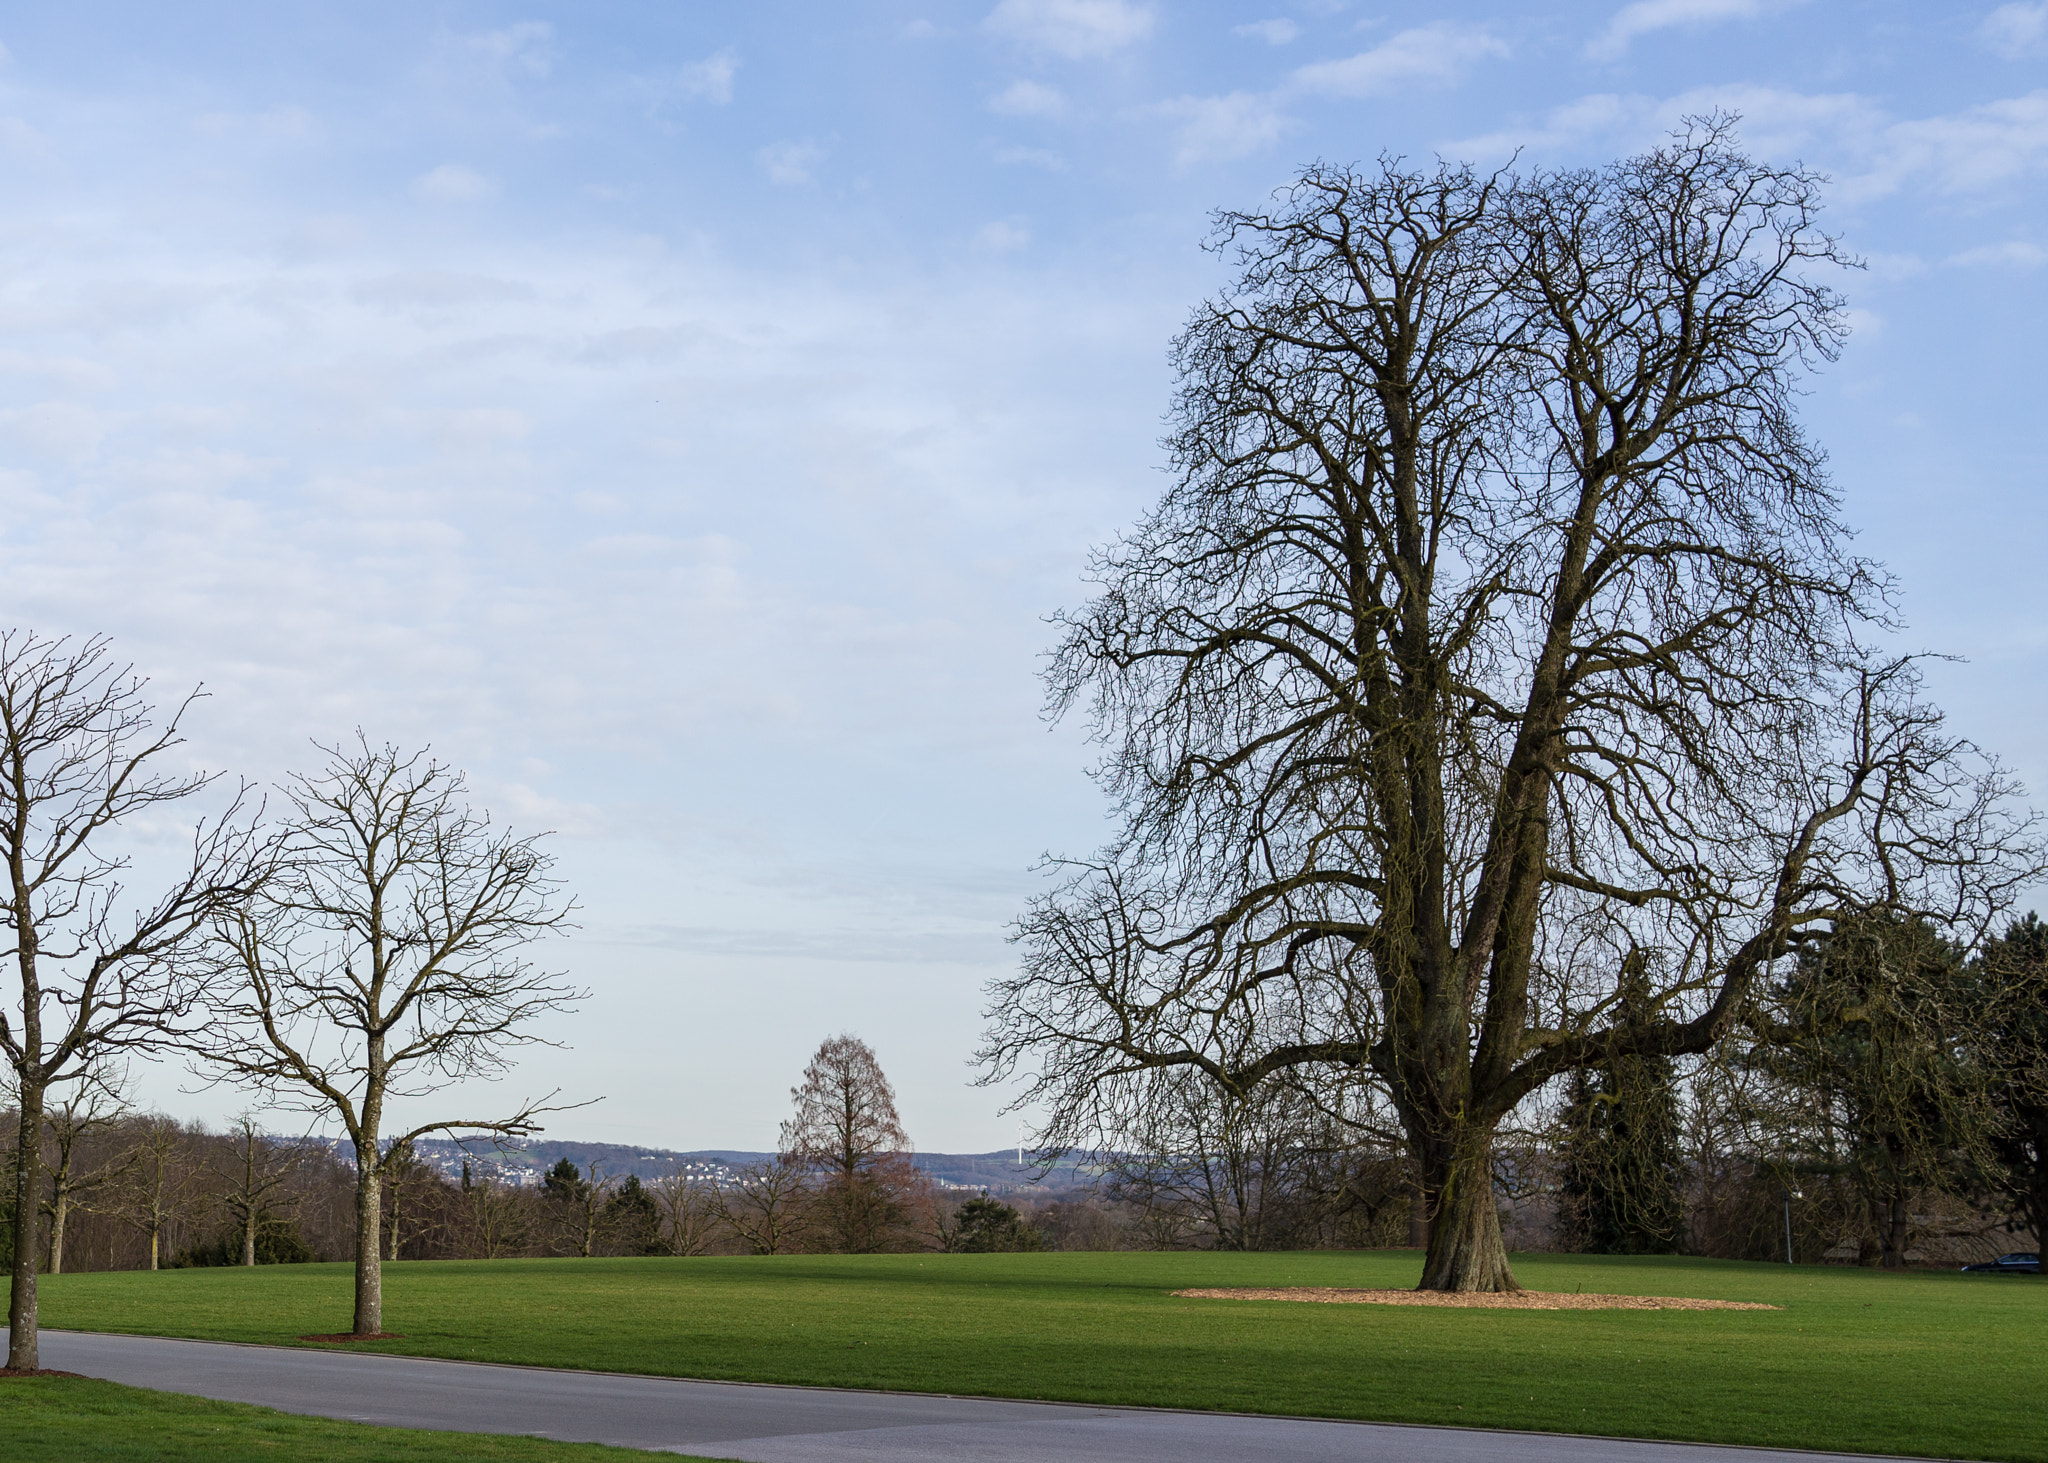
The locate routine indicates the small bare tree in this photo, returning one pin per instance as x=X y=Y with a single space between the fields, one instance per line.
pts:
x=160 y=1182
x=97 y=971
x=257 y=1174
x=93 y=1108
x=766 y=1206
x=689 y=1212
x=381 y=961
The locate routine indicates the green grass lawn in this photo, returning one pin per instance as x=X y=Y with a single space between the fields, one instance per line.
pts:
x=64 y=1419
x=1860 y=1361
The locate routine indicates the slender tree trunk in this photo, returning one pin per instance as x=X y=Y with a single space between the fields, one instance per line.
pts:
x=22 y=1353
x=1465 y=1249
x=369 y=1259
x=60 y=1210
x=249 y=1235
x=156 y=1234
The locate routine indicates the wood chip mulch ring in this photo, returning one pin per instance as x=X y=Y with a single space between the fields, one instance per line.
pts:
x=1519 y=1300
x=11 y=1373
x=351 y=1336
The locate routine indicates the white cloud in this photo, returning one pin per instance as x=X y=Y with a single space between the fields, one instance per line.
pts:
x=1075 y=29
x=2013 y=254
x=1646 y=17
x=453 y=183
x=1000 y=236
x=1028 y=99
x=709 y=80
x=1272 y=32
x=1031 y=157
x=1438 y=53
x=1243 y=122
x=790 y=163
x=1223 y=127
x=2016 y=31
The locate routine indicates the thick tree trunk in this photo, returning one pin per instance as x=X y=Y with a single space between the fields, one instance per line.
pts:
x=369 y=1260
x=1418 y=1209
x=1896 y=1228
x=60 y=1210
x=156 y=1240
x=22 y=1352
x=249 y=1235
x=1465 y=1250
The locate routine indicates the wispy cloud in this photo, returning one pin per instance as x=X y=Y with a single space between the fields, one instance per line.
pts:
x=2013 y=254
x=1223 y=127
x=1439 y=53
x=2016 y=31
x=709 y=80
x=1870 y=152
x=453 y=183
x=1078 y=30
x=1028 y=99
x=1243 y=122
x=1002 y=236
x=1272 y=32
x=791 y=163
x=1646 y=17
x=521 y=47
x=1031 y=157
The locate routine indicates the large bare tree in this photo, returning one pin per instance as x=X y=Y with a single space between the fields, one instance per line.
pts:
x=382 y=961
x=1498 y=631
x=97 y=971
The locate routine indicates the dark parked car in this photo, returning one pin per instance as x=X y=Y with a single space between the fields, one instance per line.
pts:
x=2027 y=1262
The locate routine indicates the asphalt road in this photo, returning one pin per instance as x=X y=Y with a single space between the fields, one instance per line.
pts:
x=798 y=1424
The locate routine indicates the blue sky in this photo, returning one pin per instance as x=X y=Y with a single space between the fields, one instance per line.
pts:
x=684 y=416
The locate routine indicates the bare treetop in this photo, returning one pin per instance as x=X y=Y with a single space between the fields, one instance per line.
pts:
x=395 y=920
x=845 y=1116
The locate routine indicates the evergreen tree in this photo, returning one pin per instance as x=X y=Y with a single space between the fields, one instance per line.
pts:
x=2010 y=1040
x=1621 y=1184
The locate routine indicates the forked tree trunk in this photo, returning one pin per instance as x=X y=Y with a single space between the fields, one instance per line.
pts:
x=22 y=1353
x=1465 y=1249
x=369 y=1261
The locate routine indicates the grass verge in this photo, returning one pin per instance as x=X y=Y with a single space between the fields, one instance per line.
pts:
x=65 y=1419
x=1858 y=1361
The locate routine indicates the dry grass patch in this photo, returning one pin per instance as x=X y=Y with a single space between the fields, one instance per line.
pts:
x=1520 y=1300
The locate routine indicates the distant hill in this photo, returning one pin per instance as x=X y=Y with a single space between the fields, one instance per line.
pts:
x=524 y=1163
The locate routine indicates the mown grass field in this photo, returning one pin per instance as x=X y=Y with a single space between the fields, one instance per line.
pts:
x=64 y=1419
x=1919 y=1363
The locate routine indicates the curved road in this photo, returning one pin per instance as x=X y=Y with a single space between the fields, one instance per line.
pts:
x=764 y=1424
